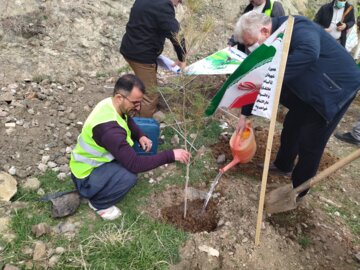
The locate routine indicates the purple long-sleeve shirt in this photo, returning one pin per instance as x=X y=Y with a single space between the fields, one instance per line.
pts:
x=112 y=137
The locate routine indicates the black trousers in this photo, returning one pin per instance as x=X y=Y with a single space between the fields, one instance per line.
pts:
x=305 y=134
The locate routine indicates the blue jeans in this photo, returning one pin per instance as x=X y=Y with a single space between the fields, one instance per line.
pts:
x=106 y=185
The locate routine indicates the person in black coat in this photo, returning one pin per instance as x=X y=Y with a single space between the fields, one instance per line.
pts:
x=336 y=18
x=150 y=23
x=321 y=79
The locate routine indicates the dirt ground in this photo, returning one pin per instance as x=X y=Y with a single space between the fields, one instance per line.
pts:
x=41 y=115
x=305 y=238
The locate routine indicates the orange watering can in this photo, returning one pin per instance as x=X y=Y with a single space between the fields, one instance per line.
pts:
x=243 y=146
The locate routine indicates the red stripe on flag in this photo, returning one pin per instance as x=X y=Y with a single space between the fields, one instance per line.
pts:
x=245 y=99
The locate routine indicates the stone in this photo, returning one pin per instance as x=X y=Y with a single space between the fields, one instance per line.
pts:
x=64 y=168
x=13 y=86
x=8 y=186
x=39 y=251
x=253 y=197
x=72 y=116
x=175 y=140
x=63 y=161
x=357 y=257
x=65 y=205
x=152 y=181
x=209 y=250
x=64 y=228
x=29 y=265
x=3 y=113
x=32 y=184
x=50 y=252
x=59 y=250
x=45 y=159
x=31 y=111
x=201 y=151
x=7 y=97
x=4 y=224
x=159 y=116
x=61 y=176
x=51 y=164
x=193 y=136
x=41 y=229
x=10 y=125
x=68 y=141
x=221 y=159
x=42 y=167
x=10 y=267
x=21 y=173
x=40 y=192
x=53 y=261
x=10 y=131
x=12 y=170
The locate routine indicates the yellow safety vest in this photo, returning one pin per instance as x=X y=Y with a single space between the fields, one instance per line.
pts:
x=269 y=10
x=88 y=155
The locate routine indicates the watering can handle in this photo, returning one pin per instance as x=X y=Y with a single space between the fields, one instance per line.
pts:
x=319 y=177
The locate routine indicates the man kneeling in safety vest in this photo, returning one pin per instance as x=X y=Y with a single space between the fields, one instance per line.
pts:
x=104 y=164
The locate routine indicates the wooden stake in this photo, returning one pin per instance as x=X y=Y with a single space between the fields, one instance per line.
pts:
x=284 y=55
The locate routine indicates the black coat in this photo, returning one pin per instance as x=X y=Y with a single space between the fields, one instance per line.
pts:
x=324 y=16
x=150 y=23
x=319 y=70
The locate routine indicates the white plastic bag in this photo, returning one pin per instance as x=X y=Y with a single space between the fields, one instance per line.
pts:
x=352 y=39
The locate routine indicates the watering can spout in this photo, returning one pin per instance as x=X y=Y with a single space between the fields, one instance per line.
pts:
x=242 y=146
x=229 y=166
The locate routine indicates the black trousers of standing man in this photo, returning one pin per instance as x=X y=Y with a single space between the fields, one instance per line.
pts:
x=305 y=134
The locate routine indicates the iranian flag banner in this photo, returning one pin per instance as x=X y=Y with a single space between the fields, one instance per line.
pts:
x=254 y=81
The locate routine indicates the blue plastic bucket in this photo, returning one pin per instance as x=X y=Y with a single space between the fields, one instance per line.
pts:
x=151 y=128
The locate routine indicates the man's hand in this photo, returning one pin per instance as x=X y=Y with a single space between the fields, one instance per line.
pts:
x=241 y=123
x=182 y=155
x=145 y=143
x=327 y=30
x=341 y=27
x=182 y=65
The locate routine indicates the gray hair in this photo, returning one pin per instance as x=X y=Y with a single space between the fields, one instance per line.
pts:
x=251 y=23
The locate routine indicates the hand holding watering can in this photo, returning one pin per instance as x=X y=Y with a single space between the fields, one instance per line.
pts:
x=243 y=148
x=242 y=144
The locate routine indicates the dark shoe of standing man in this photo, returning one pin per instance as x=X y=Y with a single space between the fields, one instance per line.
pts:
x=347 y=137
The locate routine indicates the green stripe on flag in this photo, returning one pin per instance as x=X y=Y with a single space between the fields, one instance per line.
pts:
x=262 y=55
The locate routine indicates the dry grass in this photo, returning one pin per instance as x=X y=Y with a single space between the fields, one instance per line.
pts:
x=112 y=234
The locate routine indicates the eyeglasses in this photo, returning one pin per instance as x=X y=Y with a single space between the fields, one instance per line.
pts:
x=135 y=103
